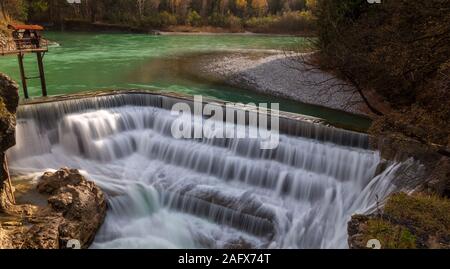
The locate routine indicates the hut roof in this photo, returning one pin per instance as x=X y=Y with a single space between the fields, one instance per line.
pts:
x=17 y=27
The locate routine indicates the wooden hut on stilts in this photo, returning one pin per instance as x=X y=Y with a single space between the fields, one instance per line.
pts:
x=27 y=39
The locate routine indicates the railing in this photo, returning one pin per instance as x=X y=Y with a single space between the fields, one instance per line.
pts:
x=24 y=45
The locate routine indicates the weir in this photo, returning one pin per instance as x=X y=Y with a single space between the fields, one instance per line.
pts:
x=202 y=193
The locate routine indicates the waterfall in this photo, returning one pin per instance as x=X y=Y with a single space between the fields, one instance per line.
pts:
x=203 y=193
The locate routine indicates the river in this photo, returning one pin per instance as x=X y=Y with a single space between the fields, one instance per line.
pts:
x=89 y=61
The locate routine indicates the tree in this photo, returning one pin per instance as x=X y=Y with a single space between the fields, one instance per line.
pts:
x=391 y=49
x=140 y=4
x=13 y=8
x=153 y=5
x=241 y=7
x=224 y=6
x=311 y=4
x=3 y=9
x=204 y=8
x=259 y=7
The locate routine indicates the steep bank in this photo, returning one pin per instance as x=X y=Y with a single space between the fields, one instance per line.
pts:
x=281 y=74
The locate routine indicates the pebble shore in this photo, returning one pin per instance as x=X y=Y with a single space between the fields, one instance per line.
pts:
x=282 y=75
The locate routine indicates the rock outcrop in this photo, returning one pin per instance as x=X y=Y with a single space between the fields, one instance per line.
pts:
x=9 y=100
x=76 y=210
x=76 y=207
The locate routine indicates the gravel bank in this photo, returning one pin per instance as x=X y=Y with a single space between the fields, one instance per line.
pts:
x=276 y=73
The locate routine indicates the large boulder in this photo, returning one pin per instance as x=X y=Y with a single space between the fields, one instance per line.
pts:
x=79 y=204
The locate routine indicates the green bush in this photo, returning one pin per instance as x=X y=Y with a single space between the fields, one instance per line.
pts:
x=194 y=19
x=233 y=22
x=217 y=20
x=412 y=221
x=167 y=19
x=288 y=22
x=425 y=214
x=159 y=20
x=296 y=21
x=260 y=22
x=228 y=21
x=390 y=235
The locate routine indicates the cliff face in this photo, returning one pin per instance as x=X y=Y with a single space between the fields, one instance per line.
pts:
x=9 y=100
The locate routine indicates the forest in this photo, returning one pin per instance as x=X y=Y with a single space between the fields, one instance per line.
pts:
x=235 y=15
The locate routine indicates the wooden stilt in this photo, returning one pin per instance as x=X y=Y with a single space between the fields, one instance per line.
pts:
x=9 y=181
x=22 y=75
x=41 y=73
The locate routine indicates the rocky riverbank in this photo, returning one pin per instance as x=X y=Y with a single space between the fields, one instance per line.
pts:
x=283 y=75
x=73 y=208
x=75 y=211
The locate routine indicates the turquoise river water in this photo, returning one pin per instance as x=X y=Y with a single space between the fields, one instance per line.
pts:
x=87 y=61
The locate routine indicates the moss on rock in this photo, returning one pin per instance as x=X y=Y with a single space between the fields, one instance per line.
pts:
x=408 y=221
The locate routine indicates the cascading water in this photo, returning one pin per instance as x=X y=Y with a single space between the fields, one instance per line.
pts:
x=203 y=193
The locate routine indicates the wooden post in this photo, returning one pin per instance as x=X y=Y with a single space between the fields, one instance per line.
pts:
x=22 y=75
x=41 y=73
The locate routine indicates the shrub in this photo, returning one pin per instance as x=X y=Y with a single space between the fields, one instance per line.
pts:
x=194 y=19
x=260 y=22
x=391 y=236
x=412 y=221
x=159 y=20
x=288 y=22
x=425 y=214
x=234 y=23
x=167 y=19
x=217 y=20
x=228 y=21
x=296 y=21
